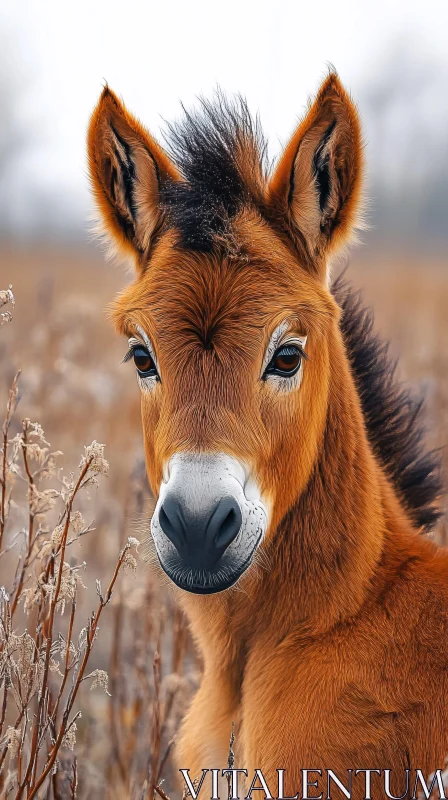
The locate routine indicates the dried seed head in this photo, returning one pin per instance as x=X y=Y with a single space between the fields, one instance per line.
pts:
x=56 y=536
x=36 y=430
x=129 y=563
x=77 y=522
x=69 y=739
x=54 y=667
x=94 y=453
x=82 y=638
x=100 y=678
x=13 y=740
x=70 y=581
x=31 y=598
x=67 y=489
x=41 y=502
x=6 y=296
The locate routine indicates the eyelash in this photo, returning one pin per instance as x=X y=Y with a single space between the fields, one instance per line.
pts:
x=143 y=380
x=293 y=344
x=297 y=346
x=130 y=354
x=133 y=348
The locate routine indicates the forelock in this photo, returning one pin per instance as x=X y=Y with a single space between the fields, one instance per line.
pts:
x=221 y=153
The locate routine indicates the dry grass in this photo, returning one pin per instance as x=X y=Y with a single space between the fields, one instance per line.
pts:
x=70 y=621
x=72 y=382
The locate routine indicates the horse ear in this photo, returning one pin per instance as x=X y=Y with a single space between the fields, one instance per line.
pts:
x=127 y=167
x=317 y=183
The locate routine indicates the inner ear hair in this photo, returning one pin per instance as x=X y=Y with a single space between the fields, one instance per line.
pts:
x=131 y=181
x=127 y=167
x=321 y=167
x=316 y=187
x=322 y=179
x=119 y=168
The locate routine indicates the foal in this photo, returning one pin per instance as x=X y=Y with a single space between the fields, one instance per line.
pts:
x=292 y=490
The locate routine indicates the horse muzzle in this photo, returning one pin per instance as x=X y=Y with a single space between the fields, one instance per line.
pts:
x=208 y=521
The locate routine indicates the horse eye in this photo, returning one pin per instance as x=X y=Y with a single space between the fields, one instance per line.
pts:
x=286 y=361
x=144 y=362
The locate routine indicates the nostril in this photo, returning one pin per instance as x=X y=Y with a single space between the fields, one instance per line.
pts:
x=225 y=523
x=227 y=527
x=167 y=525
x=172 y=523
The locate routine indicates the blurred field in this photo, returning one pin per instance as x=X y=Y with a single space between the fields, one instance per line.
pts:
x=74 y=384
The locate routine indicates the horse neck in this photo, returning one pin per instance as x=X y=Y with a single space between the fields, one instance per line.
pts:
x=319 y=565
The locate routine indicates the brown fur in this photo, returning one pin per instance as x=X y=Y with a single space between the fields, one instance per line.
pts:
x=331 y=651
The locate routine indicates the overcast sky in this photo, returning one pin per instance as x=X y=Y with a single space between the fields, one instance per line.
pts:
x=56 y=55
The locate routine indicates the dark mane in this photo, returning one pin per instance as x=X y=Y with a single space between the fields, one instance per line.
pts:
x=393 y=416
x=221 y=153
